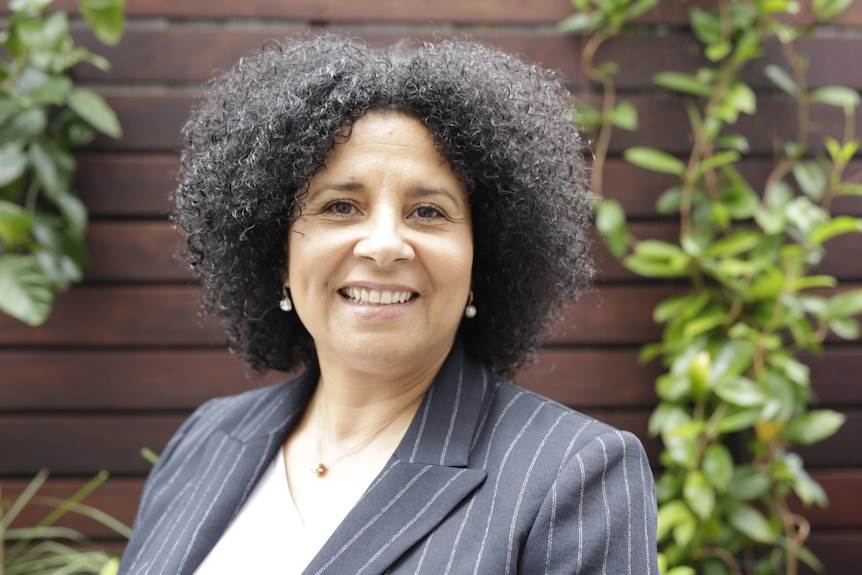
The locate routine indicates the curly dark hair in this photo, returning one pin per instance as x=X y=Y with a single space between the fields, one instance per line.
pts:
x=265 y=127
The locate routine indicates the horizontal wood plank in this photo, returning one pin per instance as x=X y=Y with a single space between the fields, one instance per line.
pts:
x=840 y=551
x=119 y=497
x=146 y=251
x=119 y=316
x=843 y=487
x=134 y=251
x=673 y=12
x=189 y=53
x=82 y=445
x=113 y=442
x=98 y=380
x=844 y=449
x=139 y=185
x=168 y=315
x=120 y=185
x=92 y=380
x=152 y=120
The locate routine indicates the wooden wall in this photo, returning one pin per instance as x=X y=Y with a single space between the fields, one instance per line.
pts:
x=125 y=357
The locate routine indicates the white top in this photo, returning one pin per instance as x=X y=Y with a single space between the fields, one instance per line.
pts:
x=267 y=535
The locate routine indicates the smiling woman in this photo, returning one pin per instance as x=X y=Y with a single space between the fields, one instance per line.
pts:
x=405 y=224
x=386 y=215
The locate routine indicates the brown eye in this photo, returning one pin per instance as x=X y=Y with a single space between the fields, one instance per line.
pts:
x=340 y=208
x=428 y=212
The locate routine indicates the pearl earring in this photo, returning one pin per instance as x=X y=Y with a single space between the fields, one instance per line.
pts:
x=285 y=304
x=470 y=311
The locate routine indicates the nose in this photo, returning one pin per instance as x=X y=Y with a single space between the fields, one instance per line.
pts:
x=383 y=239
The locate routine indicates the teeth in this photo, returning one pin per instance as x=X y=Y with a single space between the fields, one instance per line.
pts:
x=375 y=297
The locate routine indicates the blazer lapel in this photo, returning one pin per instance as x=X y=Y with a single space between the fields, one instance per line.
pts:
x=235 y=456
x=425 y=479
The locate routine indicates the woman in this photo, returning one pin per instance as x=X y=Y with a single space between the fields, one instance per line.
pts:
x=404 y=224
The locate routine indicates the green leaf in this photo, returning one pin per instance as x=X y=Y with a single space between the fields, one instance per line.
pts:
x=704 y=323
x=808 y=490
x=625 y=116
x=14 y=225
x=733 y=245
x=54 y=234
x=13 y=163
x=732 y=360
x=828 y=9
x=669 y=201
x=680 y=82
x=655 y=160
x=106 y=17
x=718 y=160
x=25 y=292
x=717 y=52
x=670 y=515
x=93 y=108
x=782 y=79
x=654 y=258
x=837 y=96
x=43 y=34
x=717 y=466
x=748 y=483
x=698 y=494
x=850 y=189
x=809 y=282
x=39 y=87
x=845 y=328
x=23 y=126
x=610 y=68
x=60 y=269
x=675 y=306
x=667 y=417
x=845 y=304
x=811 y=179
x=680 y=570
x=740 y=391
x=813 y=427
x=706 y=25
x=751 y=523
x=738 y=418
x=742 y=98
x=576 y=23
x=611 y=222
x=74 y=212
x=638 y=7
x=837 y=226
x=53 y=176
x=805 y=215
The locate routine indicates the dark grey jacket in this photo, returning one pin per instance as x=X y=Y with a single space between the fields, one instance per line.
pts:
x=489 y=479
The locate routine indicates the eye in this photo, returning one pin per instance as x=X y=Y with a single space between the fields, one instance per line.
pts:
x=340 y=208
x=428 y=212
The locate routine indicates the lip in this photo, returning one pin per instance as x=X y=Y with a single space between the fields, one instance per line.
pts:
x=377 y=311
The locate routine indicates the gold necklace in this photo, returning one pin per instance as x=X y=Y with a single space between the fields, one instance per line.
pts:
x=320 y=468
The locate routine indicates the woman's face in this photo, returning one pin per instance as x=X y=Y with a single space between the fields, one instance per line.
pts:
x=379 y=264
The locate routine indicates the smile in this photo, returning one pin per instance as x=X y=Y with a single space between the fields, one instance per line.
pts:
x=375 y=297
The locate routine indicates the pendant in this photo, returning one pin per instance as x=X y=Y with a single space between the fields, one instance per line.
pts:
x=320 y=469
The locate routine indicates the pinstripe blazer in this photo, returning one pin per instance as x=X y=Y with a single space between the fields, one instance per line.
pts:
x=489 y=479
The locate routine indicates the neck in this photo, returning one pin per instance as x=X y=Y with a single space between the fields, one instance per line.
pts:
x=354 y=401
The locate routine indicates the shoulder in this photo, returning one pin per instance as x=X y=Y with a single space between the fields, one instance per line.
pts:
x=512 y=406
x=251 y=413
x=521 y=429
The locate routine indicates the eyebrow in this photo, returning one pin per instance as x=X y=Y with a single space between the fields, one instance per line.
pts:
x=419 y=191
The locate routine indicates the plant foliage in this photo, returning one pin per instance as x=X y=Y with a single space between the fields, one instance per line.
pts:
x=48 y=548
x=734 y=398
x=43 y=116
